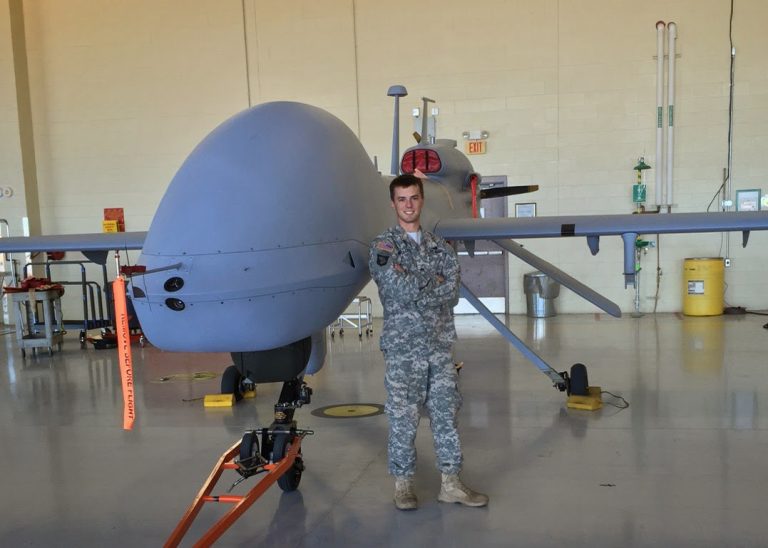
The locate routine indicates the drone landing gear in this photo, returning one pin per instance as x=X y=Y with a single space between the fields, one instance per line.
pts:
x=580 y=394
x=278 y=440
x=235 y=383
x=278 y=457
x=232 y=382
x=275 y=445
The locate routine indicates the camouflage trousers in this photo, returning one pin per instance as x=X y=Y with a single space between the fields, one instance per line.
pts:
x=422 y=377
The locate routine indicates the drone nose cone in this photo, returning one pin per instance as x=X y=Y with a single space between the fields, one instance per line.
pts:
x=256 y=177
x=255 y=221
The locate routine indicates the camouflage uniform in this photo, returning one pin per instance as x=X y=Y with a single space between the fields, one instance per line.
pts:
x=417 y=342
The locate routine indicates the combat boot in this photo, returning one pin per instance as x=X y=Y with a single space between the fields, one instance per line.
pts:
x=405 y=498
x=453 y=490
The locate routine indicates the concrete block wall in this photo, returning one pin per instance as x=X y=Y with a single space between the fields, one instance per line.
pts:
x=123 y=91
x=11 y=173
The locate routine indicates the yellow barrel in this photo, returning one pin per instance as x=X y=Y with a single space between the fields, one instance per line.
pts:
x=703 y=286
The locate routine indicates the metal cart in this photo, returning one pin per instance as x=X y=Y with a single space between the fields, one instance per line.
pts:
x=364 y=319
x=23 y=303
x=91 y=295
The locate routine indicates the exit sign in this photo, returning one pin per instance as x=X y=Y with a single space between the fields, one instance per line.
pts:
x=474 y=147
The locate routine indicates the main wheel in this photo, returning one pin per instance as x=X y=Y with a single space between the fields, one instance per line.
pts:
x=290 y=480
x=232 y=382
x=579 y=380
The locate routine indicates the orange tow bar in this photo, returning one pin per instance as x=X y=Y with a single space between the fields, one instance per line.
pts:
x=241 y=502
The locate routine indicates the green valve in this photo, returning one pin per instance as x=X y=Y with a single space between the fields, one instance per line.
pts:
x=638 y=193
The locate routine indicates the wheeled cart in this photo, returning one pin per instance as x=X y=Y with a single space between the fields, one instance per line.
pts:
x=53 y=333
x=363 y=317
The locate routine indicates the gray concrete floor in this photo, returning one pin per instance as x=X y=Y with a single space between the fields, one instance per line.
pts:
x=682 y=466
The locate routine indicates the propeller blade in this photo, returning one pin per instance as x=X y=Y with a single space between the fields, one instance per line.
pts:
x=558 y=275
x=502 y=191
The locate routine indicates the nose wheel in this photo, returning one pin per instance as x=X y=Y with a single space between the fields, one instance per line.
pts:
x=275 y=446
x=290 y=480
x=278 y=440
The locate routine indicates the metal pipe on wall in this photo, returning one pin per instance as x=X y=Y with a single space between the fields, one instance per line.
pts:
x=659 y=190
x=672 y=37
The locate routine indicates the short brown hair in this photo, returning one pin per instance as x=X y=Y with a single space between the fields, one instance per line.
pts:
x=404 y=181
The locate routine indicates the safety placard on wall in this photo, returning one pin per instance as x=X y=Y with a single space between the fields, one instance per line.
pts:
x=695 y=287
x=114 y=214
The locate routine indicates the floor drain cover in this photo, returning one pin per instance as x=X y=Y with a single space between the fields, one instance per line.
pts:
x=349 y=410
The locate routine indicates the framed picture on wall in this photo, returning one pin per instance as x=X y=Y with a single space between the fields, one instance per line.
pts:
x=525 y=210
x=748 y=199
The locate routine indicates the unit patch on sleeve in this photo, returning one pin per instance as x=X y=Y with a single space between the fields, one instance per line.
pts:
x=384 y=249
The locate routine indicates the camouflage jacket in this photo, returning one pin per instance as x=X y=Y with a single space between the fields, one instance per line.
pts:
x=418 y=286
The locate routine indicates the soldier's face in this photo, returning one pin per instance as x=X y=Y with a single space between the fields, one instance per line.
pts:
x=408 y=203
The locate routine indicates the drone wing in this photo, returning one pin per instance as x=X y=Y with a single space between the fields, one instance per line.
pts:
x=93 y=246
x=593 y=227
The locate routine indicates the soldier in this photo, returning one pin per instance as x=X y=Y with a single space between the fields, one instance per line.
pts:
x=417 y=274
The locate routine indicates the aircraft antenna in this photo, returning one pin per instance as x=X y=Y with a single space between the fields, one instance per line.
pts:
x=396 y=91
x=424 y=119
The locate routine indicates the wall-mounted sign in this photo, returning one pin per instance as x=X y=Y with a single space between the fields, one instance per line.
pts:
x=114 y=214
x=475 y=147
x=748 y=200
x=525 y=210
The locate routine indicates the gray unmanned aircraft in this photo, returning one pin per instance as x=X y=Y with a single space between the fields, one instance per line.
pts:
x=291 y=201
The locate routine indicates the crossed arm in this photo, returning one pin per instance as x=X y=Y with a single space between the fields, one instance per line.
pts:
x=430 y=286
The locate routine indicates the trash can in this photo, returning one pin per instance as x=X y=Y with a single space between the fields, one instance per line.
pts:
x=540 y=294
